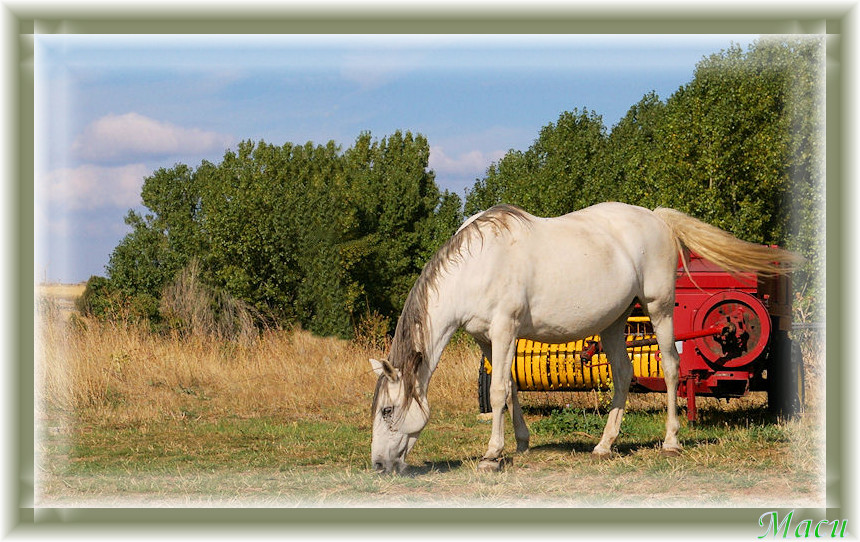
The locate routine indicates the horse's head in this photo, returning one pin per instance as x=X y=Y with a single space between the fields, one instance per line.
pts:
x=397 y=419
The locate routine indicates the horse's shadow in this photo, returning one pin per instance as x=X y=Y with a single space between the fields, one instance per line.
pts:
x=430 y=467
x=741 y=418
x=619 y=449
x=573 y=447
x=707 y=419
x=449 y=465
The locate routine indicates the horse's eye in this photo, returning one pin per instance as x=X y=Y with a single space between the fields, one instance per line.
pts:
x=386 y=412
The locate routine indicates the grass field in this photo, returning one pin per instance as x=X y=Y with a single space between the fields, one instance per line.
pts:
x=128 y=418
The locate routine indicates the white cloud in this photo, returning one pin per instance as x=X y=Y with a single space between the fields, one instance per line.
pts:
x=90 y=186
x=376 y=68
x=132 y=136
x=469 y=163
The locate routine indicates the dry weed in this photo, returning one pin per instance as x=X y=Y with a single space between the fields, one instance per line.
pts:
x=123 y=374
x=127 y=374
x=122 y=382
x=196 y=308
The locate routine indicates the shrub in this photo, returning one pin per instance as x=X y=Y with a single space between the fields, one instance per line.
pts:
x=102 y=300
x=191 y=306
x=371 y=331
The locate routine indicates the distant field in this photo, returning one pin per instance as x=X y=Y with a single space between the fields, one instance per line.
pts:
x=62 y=291
x=130 y=418
x=61 y=297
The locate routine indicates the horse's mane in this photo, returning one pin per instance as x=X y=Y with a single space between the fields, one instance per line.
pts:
x=409 y=346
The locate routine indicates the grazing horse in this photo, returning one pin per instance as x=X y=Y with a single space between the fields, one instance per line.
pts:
x=507 y=274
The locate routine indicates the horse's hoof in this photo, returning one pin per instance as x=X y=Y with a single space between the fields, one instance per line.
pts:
x=670 y=452
x=490 y=465
x=601 y=456
x=522 y=447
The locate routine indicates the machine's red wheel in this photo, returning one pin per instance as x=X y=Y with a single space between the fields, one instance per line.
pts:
x=746 y=329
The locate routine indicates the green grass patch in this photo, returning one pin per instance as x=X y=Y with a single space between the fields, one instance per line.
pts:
x=755 y=424
x=229 y=443
x=568 y=421
x=268 y=460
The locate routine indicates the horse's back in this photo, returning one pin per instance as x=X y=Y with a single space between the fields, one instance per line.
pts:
x=571 y=274
x=622 y=238
x=623 y=221
x=610 y=237
x=611 y=232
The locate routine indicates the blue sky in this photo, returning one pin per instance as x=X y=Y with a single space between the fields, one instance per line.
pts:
x=112 y=109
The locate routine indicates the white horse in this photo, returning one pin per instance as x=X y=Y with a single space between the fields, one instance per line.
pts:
x=507 y=274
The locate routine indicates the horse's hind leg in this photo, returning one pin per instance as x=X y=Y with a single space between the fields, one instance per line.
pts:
x=661 y=319
x=622 y=372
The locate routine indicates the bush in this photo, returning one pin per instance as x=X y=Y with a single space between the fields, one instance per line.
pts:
x=372 y=331
x=102 y=300
x=96 y=299
x=191 y=306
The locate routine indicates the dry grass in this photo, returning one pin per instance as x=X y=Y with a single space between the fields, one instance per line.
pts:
x=62 y=291
x=59 y=299
x=284 y=420
x=122 y=374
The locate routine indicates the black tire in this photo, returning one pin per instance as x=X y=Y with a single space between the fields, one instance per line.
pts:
x=786 y=378
x=484 y=389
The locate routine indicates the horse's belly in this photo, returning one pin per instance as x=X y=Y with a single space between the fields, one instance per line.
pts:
x=571 y=322
x=571 y=303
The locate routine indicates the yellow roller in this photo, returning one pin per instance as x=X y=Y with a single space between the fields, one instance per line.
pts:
x=543 y=367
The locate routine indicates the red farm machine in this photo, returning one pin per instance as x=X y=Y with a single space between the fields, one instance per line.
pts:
x=731 y=332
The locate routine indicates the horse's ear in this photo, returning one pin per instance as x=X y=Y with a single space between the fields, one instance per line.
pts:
x=384 y=367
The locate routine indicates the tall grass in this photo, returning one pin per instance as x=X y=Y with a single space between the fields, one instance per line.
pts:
x=286 y=415
x=193 y=307
x=122 y=373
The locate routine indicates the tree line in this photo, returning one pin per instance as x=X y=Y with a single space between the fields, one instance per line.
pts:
x=332 y=239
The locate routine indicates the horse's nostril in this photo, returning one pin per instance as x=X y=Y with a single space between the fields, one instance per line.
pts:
x=378 y=466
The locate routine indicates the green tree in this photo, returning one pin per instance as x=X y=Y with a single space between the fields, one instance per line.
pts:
x=632 y=164
x=275 y=217
x=446 y=219
x=159 y=245
x=395 y=198
x=303 y=234
x=742 y=146
x=247 y=257
x=724 y=143
x=559 y=173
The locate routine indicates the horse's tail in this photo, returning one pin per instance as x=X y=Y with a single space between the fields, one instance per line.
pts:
x=724 y=249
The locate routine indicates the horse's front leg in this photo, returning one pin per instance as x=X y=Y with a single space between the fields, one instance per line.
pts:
x=521 y=429
x=500 y=393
